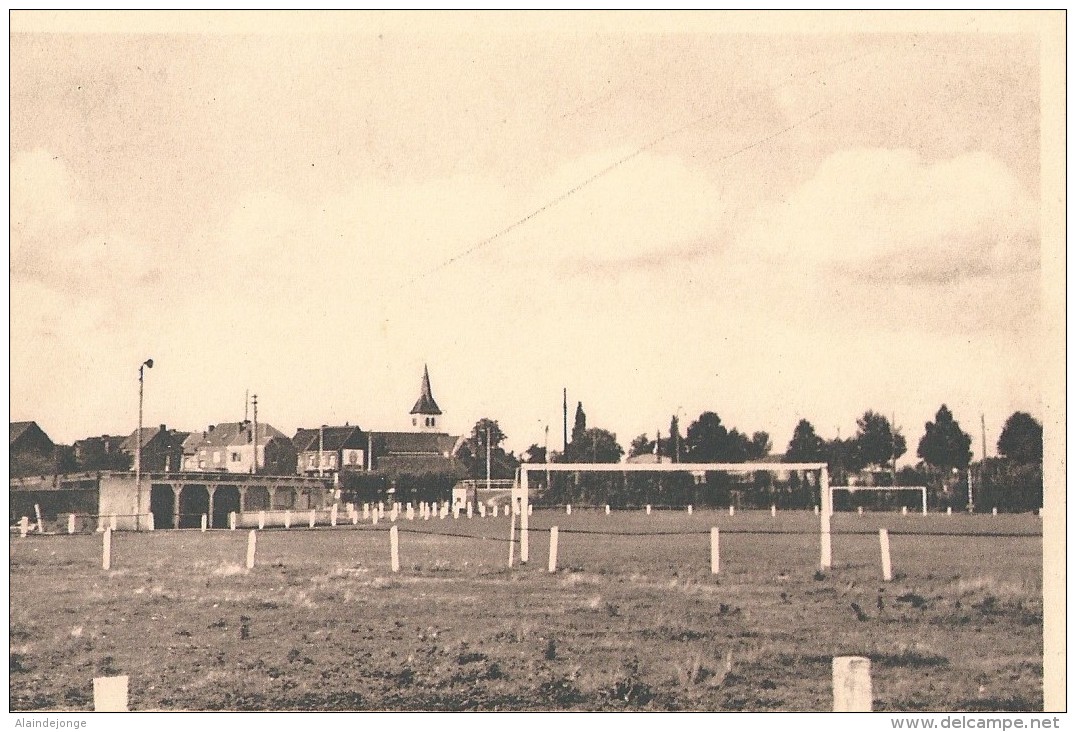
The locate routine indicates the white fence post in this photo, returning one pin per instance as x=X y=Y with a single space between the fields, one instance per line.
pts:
x=690 y=509
x=715 y=551
x=106 y=549
x=648 y=509
x=71 y=523
x=903 y=510
x=252 y=548
x=205 y=523
x=568 y=508
x=887 y=566
x=40 y=523
x=110 y=694
x=332 y=515
x=24 y=527
x=261 y=519
x=231 y=520
x=607 y=509
x=511 y=539
x=287 y=518
x=554 y=538
x=852 y=684
x=394 y=548
x=773 y=510
x=313 y=515
x=732 y=510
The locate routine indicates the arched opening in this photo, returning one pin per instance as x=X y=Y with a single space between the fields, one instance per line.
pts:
x=257 y=499
x=162 y=507
x=283 y=498
x=225 y=501
x=193 y=502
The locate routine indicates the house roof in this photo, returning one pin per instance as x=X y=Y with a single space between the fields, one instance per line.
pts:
x=425 y=403
x=18 y=428
x=229 y=434
x=335 y=438
x=130 y=443
x=414 y=443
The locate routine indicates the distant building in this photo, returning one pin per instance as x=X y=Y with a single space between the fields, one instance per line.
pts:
x=30 y=451
x=425 y=450
x=328 y=450
x=229 y=447
x=162 y=449
x=102 y=453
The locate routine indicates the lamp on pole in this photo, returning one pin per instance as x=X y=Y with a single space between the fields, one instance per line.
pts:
x=148 y=363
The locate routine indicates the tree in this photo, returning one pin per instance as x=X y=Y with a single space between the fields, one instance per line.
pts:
x=944 y=445
x=760 y=446
x=676 y=442
x=805 y=446
x=876 y=441
x=478 y=435
x=1021 y=439
x=598 y=446
x=707 y=439
x=641 y=445
x=473 y=454
x=535 y=454
x=580 y=425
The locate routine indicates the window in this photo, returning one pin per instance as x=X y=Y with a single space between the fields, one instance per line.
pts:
x=201 y=463
x=332 y=460
x=414 y=421
x=310 y=461
x=235 y=457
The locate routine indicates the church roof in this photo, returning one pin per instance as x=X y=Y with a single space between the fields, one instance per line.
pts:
x=425 y=403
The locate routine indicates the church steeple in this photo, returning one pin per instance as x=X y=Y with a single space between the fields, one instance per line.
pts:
x=425 y=413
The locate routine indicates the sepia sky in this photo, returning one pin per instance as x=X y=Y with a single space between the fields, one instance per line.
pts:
x=769 y=225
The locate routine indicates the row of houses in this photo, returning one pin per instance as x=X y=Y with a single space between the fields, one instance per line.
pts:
x=249 y=447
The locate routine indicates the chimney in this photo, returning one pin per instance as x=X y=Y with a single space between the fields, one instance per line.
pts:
x=163 y=428
x=211 y=427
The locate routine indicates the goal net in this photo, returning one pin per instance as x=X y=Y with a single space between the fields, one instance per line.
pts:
x=878 y=498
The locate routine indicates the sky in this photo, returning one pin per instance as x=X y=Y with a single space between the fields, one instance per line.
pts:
x=773 y=226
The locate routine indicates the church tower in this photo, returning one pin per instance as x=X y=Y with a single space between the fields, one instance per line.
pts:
x=426 y=415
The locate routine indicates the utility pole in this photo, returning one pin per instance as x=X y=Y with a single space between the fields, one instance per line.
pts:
x=148 y=363
x=246 y=404
x=565 y=419
x=487 y=460
x=547 y=457
x=982 y=422
x=321 y=449
x=254 y=468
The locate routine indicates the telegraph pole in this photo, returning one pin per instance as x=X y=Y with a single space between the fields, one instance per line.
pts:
x=254 y=469
x=487 y=460
x=148 y=363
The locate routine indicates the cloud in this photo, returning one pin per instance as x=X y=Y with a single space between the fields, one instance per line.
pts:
x=875 y=206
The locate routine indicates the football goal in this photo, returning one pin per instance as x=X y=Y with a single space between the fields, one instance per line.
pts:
x=620 y=475
x=879 y=490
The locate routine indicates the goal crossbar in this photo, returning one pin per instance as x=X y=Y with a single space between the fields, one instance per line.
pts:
x=665 y=467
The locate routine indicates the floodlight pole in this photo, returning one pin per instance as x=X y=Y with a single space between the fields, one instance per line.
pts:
x=148 y=363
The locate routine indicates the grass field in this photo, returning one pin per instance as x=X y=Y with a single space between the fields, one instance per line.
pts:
x=629 y=621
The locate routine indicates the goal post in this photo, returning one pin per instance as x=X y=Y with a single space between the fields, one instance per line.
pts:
x=880 y=489
x=522 y=493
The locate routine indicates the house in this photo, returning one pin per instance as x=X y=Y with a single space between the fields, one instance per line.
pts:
x=102 y=453
x=162 y=449
x=327 y=450
x=229 y=447
x=30 y=450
